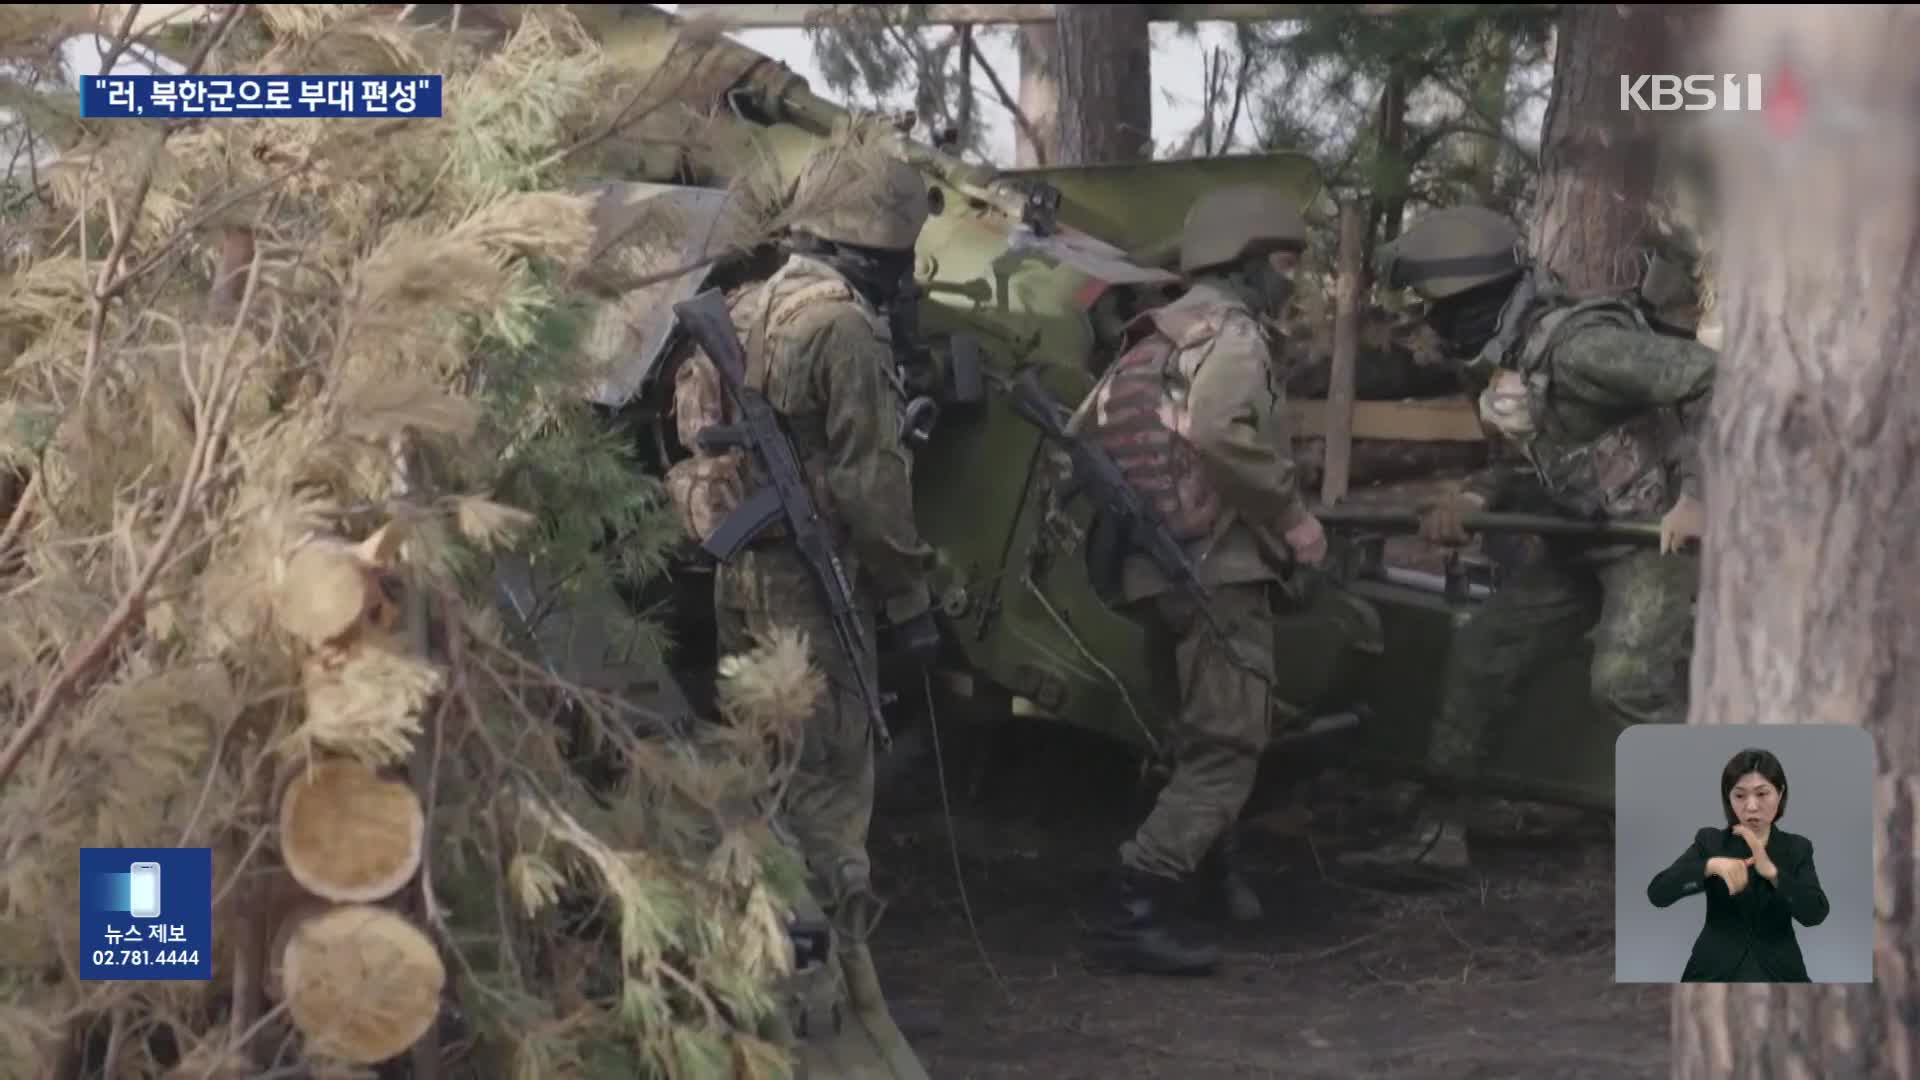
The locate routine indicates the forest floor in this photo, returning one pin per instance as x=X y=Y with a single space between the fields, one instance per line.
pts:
x=1504 y=972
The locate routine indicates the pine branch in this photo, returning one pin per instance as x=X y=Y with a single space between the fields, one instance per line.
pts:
x=1020 y=120
x=210 y=425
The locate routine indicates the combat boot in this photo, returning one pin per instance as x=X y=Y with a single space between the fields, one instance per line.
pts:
x=1134 y=936
x=1435 y=844
x=1226 y=892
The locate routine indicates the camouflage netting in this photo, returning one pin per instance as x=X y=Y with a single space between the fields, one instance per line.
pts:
x=248 y=553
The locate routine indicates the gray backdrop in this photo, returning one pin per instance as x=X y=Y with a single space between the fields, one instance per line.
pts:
x=1667 y=788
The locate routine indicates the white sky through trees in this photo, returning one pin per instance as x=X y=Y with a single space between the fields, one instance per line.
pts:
x=1178 y=82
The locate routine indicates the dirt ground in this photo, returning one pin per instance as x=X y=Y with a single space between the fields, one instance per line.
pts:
x=1504 y=973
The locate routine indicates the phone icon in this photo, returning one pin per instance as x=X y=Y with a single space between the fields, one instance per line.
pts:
x=143 y=890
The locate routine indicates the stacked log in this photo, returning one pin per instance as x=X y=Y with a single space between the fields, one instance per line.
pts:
x=1398 y=359
x=1412 y=419
x=359 y=977
x=349 y=834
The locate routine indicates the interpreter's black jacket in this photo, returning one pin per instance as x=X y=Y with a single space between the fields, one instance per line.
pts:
x=1760 y=919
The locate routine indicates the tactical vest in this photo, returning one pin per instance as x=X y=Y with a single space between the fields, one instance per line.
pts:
x=706 y=487
x=1140 y=419
x=1629 y=471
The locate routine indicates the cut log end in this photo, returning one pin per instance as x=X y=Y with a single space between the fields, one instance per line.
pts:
x=294 y=910
x=361 y=983
x=327 y=593
x=349 y=835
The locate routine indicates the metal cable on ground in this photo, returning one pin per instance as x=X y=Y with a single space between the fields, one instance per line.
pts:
x=953 y=840
x=1061 y=622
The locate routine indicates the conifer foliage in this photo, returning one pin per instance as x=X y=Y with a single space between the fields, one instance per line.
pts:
x=276 y=394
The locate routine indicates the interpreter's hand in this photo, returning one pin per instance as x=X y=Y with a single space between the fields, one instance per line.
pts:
x=1441 y=524
x=1730 y=870
x=1308 y=541
x=1686 y=521
x=1761 y=862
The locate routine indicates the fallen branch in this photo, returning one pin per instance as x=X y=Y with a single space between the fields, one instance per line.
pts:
x=1020 y=120
x=210 y=423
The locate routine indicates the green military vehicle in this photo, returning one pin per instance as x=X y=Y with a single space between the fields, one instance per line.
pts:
x=1028 y=276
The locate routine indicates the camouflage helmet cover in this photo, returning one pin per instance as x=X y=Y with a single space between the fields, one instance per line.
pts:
x=1231 y=223
x=854 y=192
x=1451 y=251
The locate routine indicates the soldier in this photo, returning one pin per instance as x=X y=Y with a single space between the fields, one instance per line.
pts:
x=818 y=345
x=1606 y=414
x=1191 y=411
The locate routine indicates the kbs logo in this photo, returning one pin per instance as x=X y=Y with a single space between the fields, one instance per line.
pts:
x=1690 y=93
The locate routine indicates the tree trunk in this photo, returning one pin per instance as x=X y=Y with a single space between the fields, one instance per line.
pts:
x=1039 y=95
x=964 y=123
x=1810 y=610
x=1387 y=209
x=1391 y=209
x=1490 y=70
x=1346 y=347
x=1597 y=162
x=1106 y=83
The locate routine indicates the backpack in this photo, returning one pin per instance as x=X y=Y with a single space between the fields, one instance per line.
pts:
x=1627 y=473
x=708 y=486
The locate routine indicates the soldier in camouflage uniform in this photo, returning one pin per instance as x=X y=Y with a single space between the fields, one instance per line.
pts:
x=818 y=345
x=1606 y=414
x=1192 y=412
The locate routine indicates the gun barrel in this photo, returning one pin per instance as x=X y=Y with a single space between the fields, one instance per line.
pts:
x=781 y=95
x=1396 y=519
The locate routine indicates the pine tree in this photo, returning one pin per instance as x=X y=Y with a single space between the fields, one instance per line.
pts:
x=1417 y=110
x=284 y=389
x=872 y=53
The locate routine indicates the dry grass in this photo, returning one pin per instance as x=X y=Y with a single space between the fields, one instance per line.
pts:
x=183 y=444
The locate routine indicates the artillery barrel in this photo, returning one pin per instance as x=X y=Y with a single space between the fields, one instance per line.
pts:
x=1393 y=519
x=711 y=69
x=699 y=65
x=783 y=96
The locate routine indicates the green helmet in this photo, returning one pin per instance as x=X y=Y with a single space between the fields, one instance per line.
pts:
x=1451 y=251
x=1231 y=223
x=857 y=193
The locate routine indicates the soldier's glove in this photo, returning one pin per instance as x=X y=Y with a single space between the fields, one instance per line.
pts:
x=1440 y=523
x=916 y=641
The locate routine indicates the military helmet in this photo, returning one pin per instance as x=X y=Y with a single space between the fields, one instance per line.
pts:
x=1232 y=223
x=1671 y=285
x=1451 y=251
x=851 y=192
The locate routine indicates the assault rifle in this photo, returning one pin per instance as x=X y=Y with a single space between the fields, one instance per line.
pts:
x=786 y=496
x=1097 y=476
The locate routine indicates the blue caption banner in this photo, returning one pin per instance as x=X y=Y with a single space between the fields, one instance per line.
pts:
x=366 y=96
x=146 y=914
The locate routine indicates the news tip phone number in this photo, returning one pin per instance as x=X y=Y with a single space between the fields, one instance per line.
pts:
x=267 y=96
x=136 y=958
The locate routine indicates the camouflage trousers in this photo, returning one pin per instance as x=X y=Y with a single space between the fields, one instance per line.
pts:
x=1221 y=730
x=828 y=804
x=1638 y=610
